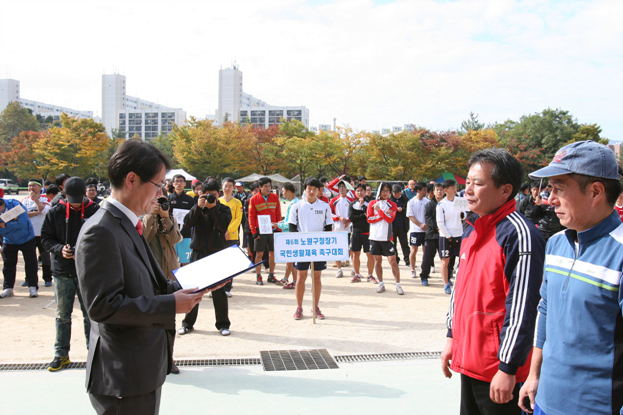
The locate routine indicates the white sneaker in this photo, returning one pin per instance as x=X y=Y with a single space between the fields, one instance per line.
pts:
x=33 y=292
x=339 y=274
x=399 y=290
x=381 y=288
x=413 y=273
x=228 y=294
x=8 y=292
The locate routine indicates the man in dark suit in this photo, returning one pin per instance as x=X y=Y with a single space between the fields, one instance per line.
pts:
x=130 y=302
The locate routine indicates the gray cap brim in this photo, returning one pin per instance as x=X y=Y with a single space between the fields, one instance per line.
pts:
x=549 y=171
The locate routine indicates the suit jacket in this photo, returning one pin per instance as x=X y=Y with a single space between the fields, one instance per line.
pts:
x=130 y=304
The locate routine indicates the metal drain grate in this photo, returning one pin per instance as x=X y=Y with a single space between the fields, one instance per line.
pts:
x=277 y=360
x=354 y=358
x=37 y=366
x=219 y=362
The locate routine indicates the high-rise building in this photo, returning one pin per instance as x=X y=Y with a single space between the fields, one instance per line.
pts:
x=10 y=92
x=234 y=105
x=131 y=116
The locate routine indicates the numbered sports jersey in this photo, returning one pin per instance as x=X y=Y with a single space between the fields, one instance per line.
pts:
x=311 y=217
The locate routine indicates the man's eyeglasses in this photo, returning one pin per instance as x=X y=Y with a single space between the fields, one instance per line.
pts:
x=159 y=186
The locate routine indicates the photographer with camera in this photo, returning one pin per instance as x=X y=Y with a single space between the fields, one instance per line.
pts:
x=209 y=220
x=59 y=233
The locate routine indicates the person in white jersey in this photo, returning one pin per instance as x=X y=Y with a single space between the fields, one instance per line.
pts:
x=37 y=206
x=341 y=223
x=288 y=190
x=310 y=215
x=417 y=222
x=381 y=214
x=450 y=231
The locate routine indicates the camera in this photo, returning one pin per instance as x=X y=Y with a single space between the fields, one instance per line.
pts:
x=164 y=203
x=210 y=198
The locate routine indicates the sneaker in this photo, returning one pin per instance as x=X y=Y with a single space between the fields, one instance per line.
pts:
x=184 y=330
x=224 y=332
x=352 y=273
x=25 y=284
x=298 y=313
x=399 y=290
x=282 y=282
x=7 y=292
x=425 y=282
x=372 y=279
x=33 y=292
x=447 y=289
x=48 y=284
x=407 y=263
x=319 y=314
x=271 y=278
x=290 y=286
x=228 y=294
x=58 y=363
x=259 y=280
x=413 y=273
x=347 y=264
x=356 y=278
x=339 y=274
x=381 y=288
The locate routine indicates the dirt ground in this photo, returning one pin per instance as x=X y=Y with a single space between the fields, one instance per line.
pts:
x=358 y=320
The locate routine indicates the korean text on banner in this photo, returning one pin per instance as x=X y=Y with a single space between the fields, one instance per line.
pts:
x=311 y=246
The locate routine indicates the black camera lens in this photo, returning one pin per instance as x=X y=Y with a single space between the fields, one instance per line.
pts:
x=211 y=198
x=164 y=203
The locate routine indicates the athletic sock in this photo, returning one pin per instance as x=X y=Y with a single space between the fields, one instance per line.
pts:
x=381 y=283
x=397 y=284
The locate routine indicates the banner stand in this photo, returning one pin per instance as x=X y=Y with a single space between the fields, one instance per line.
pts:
x=313 y=293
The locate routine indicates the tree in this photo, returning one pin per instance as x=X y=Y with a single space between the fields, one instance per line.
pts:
x=165 y=143
x=471 y=124
x=589 y=132
x=15 y=119
x=20 y=157
x=76 y=148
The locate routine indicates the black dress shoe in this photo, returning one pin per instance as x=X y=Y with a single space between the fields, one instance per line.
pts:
x=175 y=370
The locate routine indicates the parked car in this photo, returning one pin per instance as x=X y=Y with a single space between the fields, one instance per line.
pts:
x=9 y=186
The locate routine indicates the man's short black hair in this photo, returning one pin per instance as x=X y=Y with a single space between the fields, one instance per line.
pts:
x=448 y=183
x=47 y=183
x=360 y=178
x=358 y=185
x=289 y=187
x=431 y=187
x=346 y=178
x=38 y=181
x=210 y=185
x=178 y=176
x=52 y=190
x=385 y=185
x=253 y=186
x=536 y=184
x=397 y=188
x=505 y=169
x=323 y=179
x=419 y=186
x=524 y=187
x=140 y=157
x=229 y=180
x=313 y=182
x=264 y=180
x=60 y=179
x=436 y=185
x=612 y=187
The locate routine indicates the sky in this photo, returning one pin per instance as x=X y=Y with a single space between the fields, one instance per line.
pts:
x=368 y=64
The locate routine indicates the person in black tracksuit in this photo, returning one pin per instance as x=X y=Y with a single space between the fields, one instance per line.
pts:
x=209 y=222
x=400 y=226
x=59 y=234
x=361 y=232
x=431 y=241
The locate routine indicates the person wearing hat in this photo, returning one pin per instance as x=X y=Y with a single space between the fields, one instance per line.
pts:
x=37 y=206
x=240 y=194
x=59 y=233
x=577 y=358
x=195 y=191
x=18 y=235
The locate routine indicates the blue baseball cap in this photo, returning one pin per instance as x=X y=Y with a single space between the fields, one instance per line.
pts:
x=583 y=157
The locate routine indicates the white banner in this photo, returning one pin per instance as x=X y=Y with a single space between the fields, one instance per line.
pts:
x=311 y=246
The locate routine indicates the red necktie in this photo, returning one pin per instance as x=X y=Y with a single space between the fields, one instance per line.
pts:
x=139 y=227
